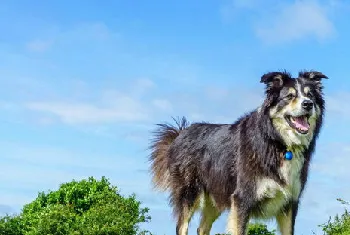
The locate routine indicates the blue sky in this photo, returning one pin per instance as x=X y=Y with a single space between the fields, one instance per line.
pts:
x=82 y=84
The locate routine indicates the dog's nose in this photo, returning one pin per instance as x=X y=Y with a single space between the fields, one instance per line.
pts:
x=307 y=105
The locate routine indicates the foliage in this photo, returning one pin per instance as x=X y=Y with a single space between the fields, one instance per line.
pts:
x=95 y=207
x=340 y=225
x=78 y=208
x=259 y=229
x=11 y=225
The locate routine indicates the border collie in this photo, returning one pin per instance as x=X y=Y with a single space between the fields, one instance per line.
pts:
x=256 y=167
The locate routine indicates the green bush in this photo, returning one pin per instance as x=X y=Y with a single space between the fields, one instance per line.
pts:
x=11 y=225
x=340 y=225
x=95 y=207
x=257 y=229
x=86 y=207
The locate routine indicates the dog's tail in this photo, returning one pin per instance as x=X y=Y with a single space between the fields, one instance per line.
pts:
x=163 y=138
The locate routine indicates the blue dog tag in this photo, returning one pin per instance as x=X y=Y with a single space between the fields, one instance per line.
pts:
x=288 y=155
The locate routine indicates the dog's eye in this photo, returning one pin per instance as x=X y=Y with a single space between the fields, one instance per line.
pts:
x=309 y=95
x=290 y=96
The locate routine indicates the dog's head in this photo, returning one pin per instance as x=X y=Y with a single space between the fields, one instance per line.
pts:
x=294 y=105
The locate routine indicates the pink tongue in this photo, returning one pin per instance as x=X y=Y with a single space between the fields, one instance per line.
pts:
x=301 y=123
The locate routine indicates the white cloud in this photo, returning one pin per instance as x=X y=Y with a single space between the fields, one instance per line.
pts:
x=39 y=45
x=91 y=31
x=96 y=106
x=246 y=3
x=126 y=109
x=143 y=85
x=281 y=22
x=145 y=101
x=163 y=105
x=88 y=34
x=5 y=105
x=26 y=170
x=231 y=5
x=217 y=93
x=299 y=20
x=336 y=105
x=232 y=9
x=43 y=156
x=334 y=162
x=5 y=209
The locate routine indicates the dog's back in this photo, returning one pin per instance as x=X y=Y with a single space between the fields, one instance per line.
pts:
x=202 y=158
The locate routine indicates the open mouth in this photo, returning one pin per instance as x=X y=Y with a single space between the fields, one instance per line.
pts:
x=299 y=123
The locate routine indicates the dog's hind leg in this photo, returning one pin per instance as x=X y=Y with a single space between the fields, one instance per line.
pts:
x=238 y=218
x=187 y=202
x=183 y=221
x=209 y=214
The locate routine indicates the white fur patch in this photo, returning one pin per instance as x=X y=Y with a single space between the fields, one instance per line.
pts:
x=259 y=109
x=292 y=137
x=276 y=194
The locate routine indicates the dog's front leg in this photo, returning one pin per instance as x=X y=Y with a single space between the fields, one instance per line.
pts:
x=286 y=219
x=238 y=217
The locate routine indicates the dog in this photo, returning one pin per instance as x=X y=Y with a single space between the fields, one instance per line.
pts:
x=256 y=167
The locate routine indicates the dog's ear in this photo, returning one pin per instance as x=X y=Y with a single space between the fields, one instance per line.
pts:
x=312 y=75
x=274 y=80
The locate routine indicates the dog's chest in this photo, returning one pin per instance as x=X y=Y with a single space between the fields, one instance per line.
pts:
x=274 y=196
